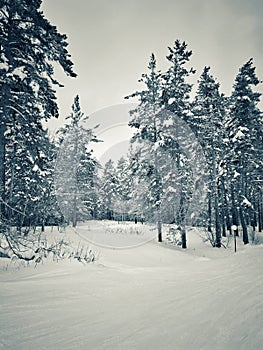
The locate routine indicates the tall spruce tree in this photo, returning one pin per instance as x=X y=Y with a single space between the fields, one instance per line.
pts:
x=165 y=149
x=29 y=47
x=147 y=120
x=208 y=123
x=176 y=99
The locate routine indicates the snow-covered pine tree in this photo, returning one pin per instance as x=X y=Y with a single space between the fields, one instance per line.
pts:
x=176 y=90
x=140 y=201
x=123 y=205
x=147 y=120
x=29 y=179
x=207 y=121
x=29 y=47
x=175 y=99
x=245 y=156
x=44 y=209
x=108 y=193
x=76 y=167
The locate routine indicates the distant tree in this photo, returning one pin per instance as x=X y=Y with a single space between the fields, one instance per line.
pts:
x=140 y=199
x=76 y=167
x=124 y=201
x=108 y=191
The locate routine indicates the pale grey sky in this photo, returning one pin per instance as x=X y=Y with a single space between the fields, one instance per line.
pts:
x=111 y=42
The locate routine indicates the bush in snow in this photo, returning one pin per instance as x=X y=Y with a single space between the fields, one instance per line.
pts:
x=123 y=229
x=34 y=248
x=174 y=235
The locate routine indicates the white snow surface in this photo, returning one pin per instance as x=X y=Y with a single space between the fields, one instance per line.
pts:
x=154 y=297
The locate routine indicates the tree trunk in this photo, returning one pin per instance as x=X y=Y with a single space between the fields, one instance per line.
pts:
x=259 y=215
x=223 y=221
x=183 y=237
x=218 y=226
x=215 y=197
x=253 y=216
x=2 y=169
x=74 y=219
x=242 y=191
x=226 y=208
x=234 y=211
x=254 y=221
x=158 y=183
x=209 y=214
x=244 y=225
x=159 y=226
x=10 y=199
x=181 y=216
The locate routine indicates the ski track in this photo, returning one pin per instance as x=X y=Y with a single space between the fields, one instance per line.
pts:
x=149 y=297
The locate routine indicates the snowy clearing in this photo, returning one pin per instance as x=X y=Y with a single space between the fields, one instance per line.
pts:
x=153 y=297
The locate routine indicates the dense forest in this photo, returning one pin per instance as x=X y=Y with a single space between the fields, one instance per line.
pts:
x=195 y=158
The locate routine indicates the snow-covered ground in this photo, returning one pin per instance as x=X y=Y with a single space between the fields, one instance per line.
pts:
x=152 y=297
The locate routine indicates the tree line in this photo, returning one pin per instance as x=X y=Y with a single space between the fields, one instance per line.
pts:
x=192 y=161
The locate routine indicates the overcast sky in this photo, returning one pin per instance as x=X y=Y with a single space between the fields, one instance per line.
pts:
x=111 y=42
